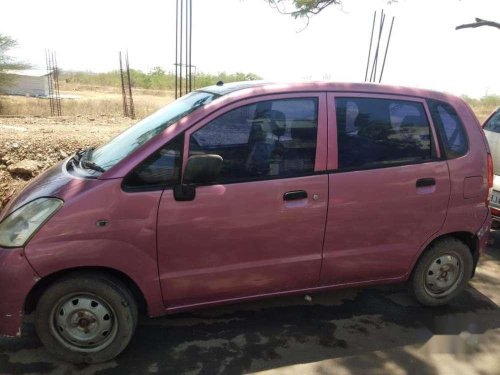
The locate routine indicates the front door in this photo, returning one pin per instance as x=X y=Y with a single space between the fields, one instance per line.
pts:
x=389 y=187
x=259 y=228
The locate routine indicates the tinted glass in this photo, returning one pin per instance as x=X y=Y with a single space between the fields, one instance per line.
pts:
x=379 y=132
x=267 y=139
x=450 y=128
x=160 y=170
x=493 y=123
x=118 y=148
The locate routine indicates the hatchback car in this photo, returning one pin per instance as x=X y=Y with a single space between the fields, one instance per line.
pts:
x=492 y=130
x=243 y=191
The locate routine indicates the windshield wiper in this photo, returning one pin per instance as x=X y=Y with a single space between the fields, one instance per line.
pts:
x=91 y=165
x=81 y=153
x=82 y=157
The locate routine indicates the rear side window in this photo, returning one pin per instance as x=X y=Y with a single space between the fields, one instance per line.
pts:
x=450 y=129
x=493 y=124
x=381 y=132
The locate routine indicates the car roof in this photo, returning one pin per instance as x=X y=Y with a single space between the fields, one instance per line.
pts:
x=260 y=87
x=227 y=88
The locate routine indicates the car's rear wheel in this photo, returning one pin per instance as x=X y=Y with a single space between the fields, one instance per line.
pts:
x=442 y=272
x=86 y=318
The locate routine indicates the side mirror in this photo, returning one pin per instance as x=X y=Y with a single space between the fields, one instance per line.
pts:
x=200 y=169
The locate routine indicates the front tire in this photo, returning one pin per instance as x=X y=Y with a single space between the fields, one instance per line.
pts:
x=442 y=272
x=87 y=318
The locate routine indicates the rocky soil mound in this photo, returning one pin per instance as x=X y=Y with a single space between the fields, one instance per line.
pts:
x=29 y=145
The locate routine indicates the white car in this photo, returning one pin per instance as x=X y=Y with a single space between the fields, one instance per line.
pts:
x=492 y=130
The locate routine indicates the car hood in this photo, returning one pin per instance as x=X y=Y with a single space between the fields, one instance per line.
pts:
x=52 y=183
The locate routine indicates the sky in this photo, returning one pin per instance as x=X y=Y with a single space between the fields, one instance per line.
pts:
x=249 y=36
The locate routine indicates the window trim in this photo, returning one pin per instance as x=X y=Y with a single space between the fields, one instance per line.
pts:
x=436 y=148
x=321 y=134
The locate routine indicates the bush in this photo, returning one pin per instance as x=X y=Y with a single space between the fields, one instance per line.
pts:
x=156 y=79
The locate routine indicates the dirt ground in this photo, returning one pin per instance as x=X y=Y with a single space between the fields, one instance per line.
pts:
x=45 y=141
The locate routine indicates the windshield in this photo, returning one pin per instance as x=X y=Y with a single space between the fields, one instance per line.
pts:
x=118 y=148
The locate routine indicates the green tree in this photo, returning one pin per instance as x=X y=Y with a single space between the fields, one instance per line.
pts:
x=6 y=61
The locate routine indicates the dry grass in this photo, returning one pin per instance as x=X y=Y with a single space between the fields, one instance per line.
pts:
x=484 y=110
x=97 y=101
x=91 y=102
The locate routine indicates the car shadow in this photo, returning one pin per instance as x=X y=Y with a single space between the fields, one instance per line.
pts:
x=346 y=325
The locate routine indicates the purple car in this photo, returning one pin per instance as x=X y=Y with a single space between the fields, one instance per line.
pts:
x=245 y=191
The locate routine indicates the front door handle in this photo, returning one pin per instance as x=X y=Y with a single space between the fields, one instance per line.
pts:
x=423 y=182
x=294 y=195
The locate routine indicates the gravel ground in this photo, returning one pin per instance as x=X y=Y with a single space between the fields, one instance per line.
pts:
x=41 y=142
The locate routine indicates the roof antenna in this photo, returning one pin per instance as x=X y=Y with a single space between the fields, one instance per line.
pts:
x=220 y=83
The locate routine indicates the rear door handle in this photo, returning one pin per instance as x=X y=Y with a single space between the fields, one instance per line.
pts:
x=294 y=195
x=423 y=182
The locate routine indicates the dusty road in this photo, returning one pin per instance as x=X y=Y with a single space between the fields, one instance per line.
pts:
x=375 y=331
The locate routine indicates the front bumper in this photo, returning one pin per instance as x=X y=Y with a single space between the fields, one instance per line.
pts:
x=17 y=278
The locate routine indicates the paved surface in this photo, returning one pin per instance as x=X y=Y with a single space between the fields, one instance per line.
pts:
x=376 y=331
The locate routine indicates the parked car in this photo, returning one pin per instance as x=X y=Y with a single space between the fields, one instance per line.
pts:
x=243 y=191
x=492 y=130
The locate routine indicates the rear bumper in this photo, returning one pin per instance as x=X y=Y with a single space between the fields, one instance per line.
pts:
x=16 y=280
x=483 y=234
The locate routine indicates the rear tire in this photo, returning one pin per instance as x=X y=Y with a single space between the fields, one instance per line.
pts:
x=86 y=318
x=442 y=272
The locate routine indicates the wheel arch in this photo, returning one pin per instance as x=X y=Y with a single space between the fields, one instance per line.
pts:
x=468 y=238
x=42 y=285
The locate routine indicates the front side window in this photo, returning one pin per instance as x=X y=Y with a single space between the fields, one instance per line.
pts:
x=275 y=138
x=381 y=132
x=493 y=124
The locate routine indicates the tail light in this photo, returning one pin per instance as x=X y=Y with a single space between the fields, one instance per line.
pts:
x=490 y=179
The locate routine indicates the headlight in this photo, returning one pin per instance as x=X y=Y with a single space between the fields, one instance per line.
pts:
x=17 y=228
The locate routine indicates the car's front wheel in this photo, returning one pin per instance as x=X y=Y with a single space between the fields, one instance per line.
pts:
x=87 y=318
x=442 y=272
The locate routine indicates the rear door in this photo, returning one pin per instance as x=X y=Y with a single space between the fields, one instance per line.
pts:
x=388 y=186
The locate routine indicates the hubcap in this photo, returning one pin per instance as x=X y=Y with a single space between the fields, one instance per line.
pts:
x=84 y=321
x=443 y=275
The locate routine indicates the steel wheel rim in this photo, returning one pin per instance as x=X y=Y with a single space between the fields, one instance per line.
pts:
x=84 y=322
x=443 y=274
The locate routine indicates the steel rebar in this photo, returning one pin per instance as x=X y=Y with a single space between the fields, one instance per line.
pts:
x=386 y=49
x=370 y=48
x=373 y=74
x=124 y=93
x=131 y=99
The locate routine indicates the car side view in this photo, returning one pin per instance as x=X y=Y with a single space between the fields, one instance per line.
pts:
x=244 y=191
